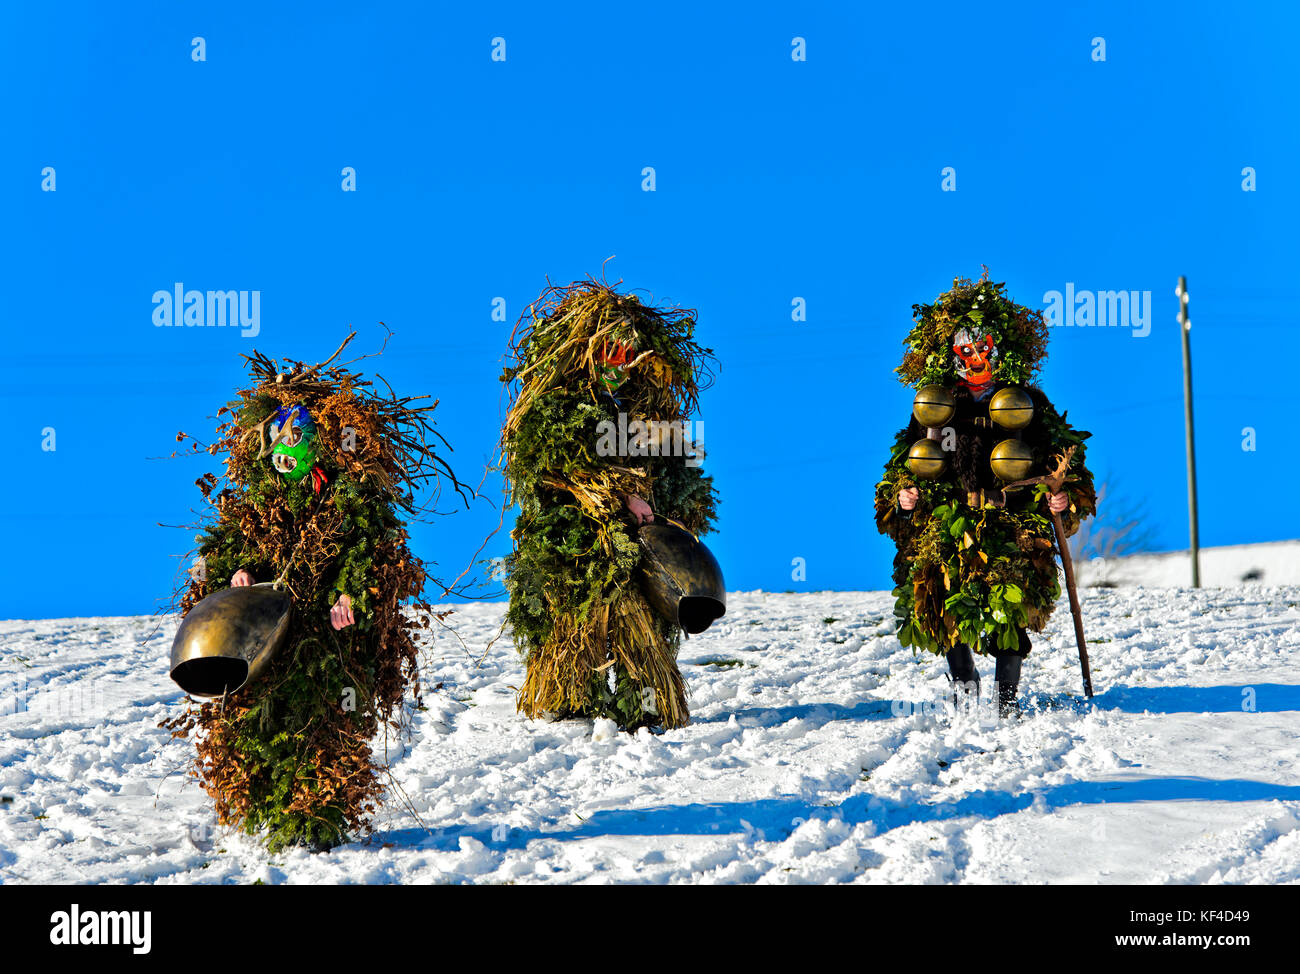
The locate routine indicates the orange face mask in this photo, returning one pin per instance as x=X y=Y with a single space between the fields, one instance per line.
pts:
x=614 y=359
x=974 y=359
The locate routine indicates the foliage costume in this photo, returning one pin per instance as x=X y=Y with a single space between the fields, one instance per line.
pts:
x=581 y=356
x=321 y=514
x=976 y=557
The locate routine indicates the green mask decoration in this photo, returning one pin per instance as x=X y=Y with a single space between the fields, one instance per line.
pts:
x=613 y=364
x=294 y=435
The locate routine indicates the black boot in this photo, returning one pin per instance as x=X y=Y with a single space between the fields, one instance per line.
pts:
x=1008 y=679
x=965 y=678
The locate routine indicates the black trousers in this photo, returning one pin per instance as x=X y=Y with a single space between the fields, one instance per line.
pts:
x=961 y=663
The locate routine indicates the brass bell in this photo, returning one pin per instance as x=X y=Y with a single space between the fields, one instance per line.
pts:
x=1011 y=408
x=227 y=639
x=680 y=577
x=927 y=459
x=1011 y=460
x=933 y=406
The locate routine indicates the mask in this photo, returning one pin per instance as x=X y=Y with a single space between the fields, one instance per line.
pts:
x=613 y=363
x=294 y=435
x=973 y=359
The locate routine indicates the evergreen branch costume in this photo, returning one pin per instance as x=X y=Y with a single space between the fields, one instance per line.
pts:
x=319 y=471
x=580 y=356
x=976 y=557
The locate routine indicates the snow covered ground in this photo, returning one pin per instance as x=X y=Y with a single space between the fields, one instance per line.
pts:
x=1271 y=563
x=817 y=755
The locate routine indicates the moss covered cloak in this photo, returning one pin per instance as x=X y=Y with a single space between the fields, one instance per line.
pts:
x=976 y=563
x=290 y=756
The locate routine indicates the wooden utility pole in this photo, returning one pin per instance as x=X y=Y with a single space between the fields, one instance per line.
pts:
x=1186 y=326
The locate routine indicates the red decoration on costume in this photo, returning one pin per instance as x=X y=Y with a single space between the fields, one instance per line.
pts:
x=619 y=356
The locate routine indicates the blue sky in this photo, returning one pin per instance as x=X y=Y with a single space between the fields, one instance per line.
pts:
x=775 y=179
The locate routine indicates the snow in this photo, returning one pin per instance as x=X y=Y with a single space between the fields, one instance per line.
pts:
x=820 y=752
x=1270 y=563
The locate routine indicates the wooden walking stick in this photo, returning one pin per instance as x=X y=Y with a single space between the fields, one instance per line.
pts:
x=1055 y=480
x=1068 y=563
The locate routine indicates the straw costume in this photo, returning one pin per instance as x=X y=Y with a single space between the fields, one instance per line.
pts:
x=599 y=384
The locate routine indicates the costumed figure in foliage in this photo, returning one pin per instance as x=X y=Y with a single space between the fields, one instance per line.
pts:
x=976 y=568
x=595 y=448
x=302 y=613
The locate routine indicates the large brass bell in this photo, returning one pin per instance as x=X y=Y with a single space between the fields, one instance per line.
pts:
x=1011 y=460
x=680 y=577
x=927 y=459
x=933 y=406
x=227 y=639
x=1011 y=408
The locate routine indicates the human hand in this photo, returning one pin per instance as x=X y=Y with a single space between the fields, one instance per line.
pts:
x=907 y=498
x=640 y=509
x=240 y=578
x=1058 y=502
x=341 y=615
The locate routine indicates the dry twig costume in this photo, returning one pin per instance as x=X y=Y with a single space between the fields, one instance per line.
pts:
x=582 y=355
x=975 y=564
x=291 y=752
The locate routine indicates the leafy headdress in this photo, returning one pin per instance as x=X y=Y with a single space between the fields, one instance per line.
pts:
x=579 y=336
x=980 y=308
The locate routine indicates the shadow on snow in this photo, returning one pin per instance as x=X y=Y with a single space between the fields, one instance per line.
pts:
x=1264 y=697
x=777 y=818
